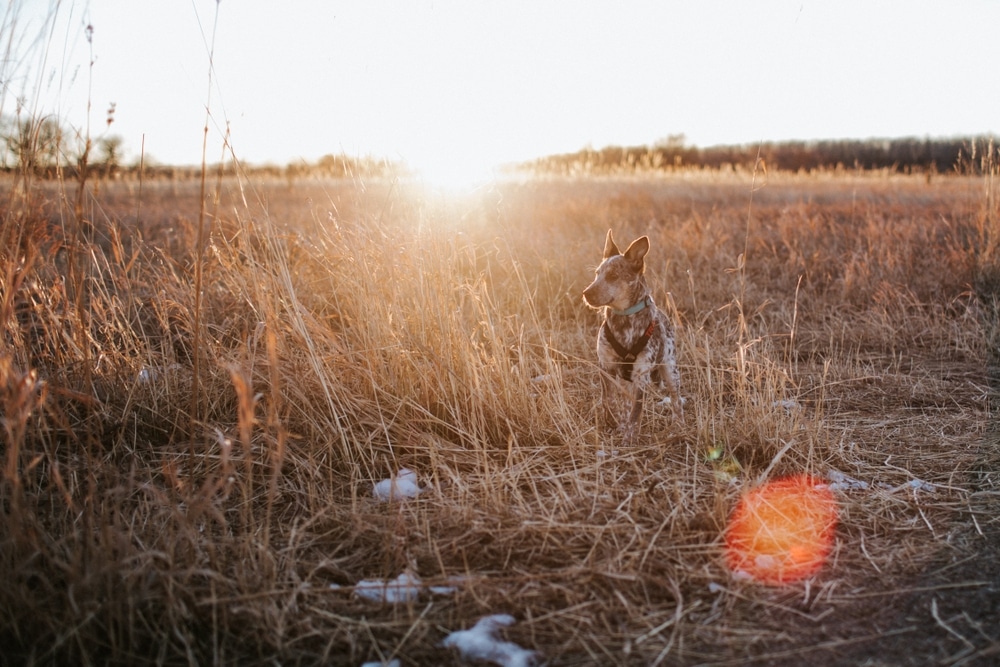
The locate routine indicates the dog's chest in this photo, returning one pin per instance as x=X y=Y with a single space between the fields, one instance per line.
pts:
x=630 y=344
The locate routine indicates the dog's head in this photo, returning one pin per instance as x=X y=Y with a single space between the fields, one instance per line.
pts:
x=618 y=282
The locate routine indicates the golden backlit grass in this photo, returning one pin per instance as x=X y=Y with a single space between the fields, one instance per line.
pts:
x=349 y=329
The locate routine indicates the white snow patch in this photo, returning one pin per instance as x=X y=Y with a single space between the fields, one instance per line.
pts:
x=914 y=484
x=148 y=374
x=765 y=562
x=667 y=401
x=378 y=663
x=402 y=486
x=480 y=643
x=404 y=588
x=453 y=584
x=841 y=482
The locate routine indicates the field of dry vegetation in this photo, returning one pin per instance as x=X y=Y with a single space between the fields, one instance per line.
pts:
x=187 y=474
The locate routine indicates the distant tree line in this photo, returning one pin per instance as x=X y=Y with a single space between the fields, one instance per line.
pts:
x=343 y=166
x=904 y=155
x=45 y=148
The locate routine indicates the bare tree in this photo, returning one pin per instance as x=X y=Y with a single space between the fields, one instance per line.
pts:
x=35 y=144
x=111 y=153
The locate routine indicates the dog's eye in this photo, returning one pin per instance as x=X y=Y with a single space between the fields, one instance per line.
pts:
x=615 y=274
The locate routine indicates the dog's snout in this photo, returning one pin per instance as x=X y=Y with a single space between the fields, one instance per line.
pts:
x=592 y=295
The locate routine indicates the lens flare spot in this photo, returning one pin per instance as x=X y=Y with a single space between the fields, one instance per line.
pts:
x=783 y=531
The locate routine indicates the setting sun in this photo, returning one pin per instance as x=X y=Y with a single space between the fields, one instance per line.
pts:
x=454 y=172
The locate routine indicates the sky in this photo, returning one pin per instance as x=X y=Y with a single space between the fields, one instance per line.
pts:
x=462 y=85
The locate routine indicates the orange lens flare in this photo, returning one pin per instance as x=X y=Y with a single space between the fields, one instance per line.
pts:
x=782 y=532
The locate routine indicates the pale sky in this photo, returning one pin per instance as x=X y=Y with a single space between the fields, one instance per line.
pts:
x=474 y=83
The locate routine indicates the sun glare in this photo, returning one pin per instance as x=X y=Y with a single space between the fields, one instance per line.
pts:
x=454 y=173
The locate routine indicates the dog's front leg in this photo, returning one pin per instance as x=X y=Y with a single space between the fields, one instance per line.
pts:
x=608 y=390
x=637 y=397
x=672 y=379
x=676 y=402
x=632 y=424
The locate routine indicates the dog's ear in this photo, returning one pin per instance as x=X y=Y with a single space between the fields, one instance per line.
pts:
x=610 y=249
x=637 y=250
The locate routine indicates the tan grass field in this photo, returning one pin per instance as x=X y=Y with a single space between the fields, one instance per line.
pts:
x=187 y=479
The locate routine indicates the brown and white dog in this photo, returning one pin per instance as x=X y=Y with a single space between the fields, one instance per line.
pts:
x=636 y=341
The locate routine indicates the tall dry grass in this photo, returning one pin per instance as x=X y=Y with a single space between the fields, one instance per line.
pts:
x=349 y=329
